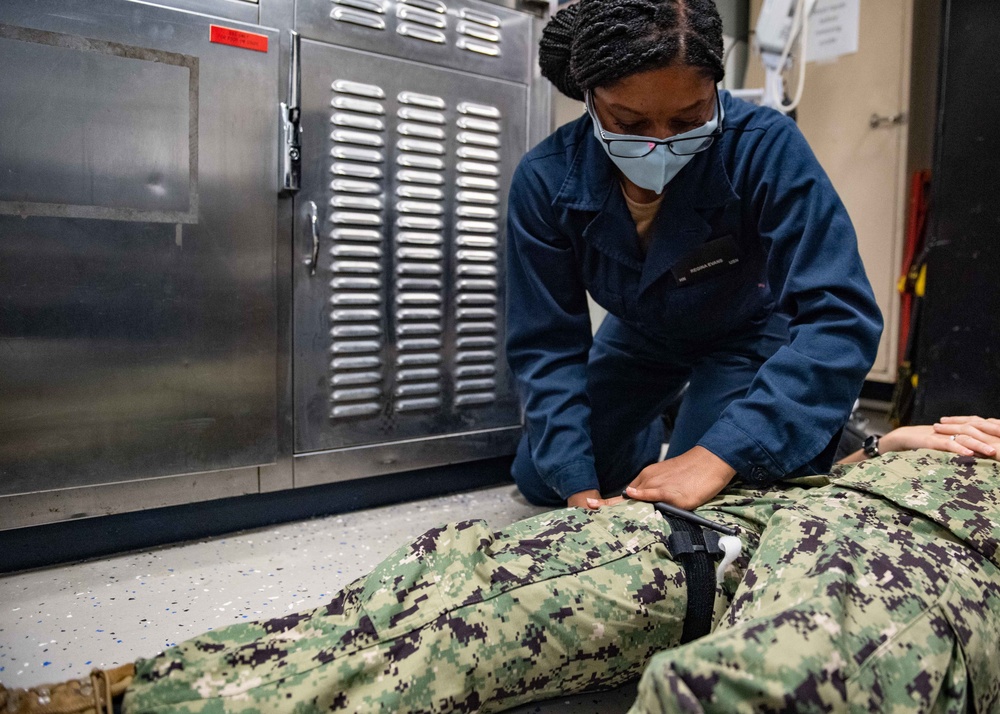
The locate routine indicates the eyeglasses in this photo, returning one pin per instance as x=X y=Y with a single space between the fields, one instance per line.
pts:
x=636 y=148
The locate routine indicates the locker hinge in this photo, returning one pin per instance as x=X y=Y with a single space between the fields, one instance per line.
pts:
x=291 y=130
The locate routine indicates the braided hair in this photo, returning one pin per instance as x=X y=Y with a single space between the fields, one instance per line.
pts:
x=594 y=43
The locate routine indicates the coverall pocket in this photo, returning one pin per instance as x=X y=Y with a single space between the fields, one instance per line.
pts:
x=717 y=305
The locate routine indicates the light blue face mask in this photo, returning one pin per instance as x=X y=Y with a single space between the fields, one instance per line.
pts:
x=652 y=163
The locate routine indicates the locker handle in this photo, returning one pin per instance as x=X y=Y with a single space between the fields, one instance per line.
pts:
x=313 y=258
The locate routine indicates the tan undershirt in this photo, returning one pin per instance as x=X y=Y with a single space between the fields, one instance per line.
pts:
x=643 y=215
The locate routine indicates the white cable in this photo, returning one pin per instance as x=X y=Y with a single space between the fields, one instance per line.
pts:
x=803 y=47
x=731 y=547
x=774 y=65
x=800 y=6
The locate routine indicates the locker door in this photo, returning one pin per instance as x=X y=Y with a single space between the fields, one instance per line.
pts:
x=399 y=321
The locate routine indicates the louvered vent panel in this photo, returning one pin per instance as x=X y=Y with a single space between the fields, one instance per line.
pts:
x=357 y=215
x=426 y=21
x=477 y=232
x=365 y=13
x=479 y=32
x=419 y=250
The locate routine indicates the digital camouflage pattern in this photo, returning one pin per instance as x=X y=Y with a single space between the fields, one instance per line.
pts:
x=874 y=587
x=463 y=619
x=877 y=593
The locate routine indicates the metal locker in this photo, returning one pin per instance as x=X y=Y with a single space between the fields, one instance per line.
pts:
x=216 y=282
x=398 y=297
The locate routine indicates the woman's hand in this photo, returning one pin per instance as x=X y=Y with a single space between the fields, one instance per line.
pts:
x=595 y=503
x=582 y=499
x=962 y=435
x=686 y=481
x=973 y=434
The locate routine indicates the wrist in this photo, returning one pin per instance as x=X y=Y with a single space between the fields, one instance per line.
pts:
x=874 y=446
x=714 y=465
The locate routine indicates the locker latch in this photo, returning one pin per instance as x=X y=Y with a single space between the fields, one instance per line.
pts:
x=291 y=130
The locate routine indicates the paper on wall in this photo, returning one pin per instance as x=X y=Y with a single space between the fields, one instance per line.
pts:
x=833 y=29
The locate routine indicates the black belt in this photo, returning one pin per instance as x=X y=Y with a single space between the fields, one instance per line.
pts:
x=694 y=541
x=696 y=548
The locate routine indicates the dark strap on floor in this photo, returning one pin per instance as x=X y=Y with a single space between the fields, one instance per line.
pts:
x=696 y=549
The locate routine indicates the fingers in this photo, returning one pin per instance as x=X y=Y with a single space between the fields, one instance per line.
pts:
x=595 y=503
x=989 y=426
x=974 y=446
x=978 y=435
x=644 y=487
x=963 y=445
x=681 y=499
x=686 y=481
x=966 y=429
x=942 y=443
x=963 y=419
x=648 y=485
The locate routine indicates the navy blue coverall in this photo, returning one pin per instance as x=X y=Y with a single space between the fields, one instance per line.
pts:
x=752 y=291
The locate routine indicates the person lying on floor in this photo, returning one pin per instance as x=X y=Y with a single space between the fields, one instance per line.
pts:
x=876 y=586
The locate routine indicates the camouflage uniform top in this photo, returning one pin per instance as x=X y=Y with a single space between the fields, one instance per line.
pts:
x=959 y=493
x=962 y=495
x=874 y=589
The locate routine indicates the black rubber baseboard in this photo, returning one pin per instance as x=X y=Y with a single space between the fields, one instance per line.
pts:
x=85 y=539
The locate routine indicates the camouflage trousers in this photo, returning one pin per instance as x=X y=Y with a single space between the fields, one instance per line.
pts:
x=845 y=594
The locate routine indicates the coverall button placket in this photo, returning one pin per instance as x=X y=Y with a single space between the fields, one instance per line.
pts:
x=759 y=474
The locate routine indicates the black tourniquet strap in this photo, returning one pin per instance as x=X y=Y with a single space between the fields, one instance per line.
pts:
x=696 y=549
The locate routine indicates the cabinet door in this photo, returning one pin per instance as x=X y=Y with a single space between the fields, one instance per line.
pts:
x=868 y=166
x=137 y=220
x=399 y=322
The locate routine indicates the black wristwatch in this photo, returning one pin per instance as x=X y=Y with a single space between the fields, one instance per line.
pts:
x=871 y=446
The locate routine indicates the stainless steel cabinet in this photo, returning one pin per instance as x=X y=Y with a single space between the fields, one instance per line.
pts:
x=137 y=230
x=183 y=319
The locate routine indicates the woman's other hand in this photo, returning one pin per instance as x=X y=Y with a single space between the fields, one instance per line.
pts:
x=591 y=499
x=978 y=436
x=579 y=500
x=686 y=481
x=966 y=436
x=595 y=503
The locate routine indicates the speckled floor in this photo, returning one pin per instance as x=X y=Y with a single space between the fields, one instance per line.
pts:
x=61 y=622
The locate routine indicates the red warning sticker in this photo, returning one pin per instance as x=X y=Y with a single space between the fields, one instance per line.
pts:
x=238 y=38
